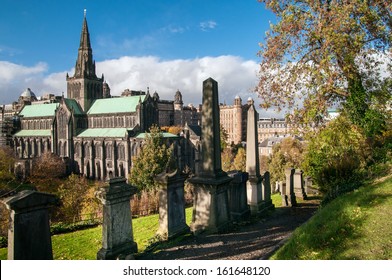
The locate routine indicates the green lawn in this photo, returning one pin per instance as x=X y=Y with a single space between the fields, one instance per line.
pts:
x=357 y=225
x=84 y=244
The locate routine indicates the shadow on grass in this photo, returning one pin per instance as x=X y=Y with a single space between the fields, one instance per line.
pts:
x=251 y=239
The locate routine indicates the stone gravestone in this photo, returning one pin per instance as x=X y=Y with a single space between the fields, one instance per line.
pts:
x=238 y=203
x=255 y=192
x=172 y=220
x=210 y=206
x=299 y=188
x=266 y=190
x=117 y=233
x=29 y=231
x=288 y=196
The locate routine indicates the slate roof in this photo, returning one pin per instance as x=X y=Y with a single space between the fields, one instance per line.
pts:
x=164 y=135
x=116 y=105
x=33 y=132
x=39 y=110
x=104 y=132
x=73 y=104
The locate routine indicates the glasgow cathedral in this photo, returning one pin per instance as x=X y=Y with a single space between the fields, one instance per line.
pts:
x=96 y=134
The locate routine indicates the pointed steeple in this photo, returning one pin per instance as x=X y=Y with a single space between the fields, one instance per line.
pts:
x=85 y=87
x=85 y=65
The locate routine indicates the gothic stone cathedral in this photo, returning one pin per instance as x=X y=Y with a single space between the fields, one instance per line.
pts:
x=96 y=134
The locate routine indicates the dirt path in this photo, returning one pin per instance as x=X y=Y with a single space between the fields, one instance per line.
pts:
x=255 y=240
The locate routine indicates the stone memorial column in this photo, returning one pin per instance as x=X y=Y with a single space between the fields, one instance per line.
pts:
x=29 y=231
x=117 y=233
x=172 y=220
x=238 y=202
x=210 y=206
x=289 y=190
x=299 y=188
x=254 y=185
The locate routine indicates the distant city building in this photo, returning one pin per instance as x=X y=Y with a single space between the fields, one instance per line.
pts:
x=233 y=119
x=272 y=127
x=97 y=134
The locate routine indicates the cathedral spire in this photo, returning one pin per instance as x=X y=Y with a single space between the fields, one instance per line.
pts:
x=85 y=66
x=85 y=87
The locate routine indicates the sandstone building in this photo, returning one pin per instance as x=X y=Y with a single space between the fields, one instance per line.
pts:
x=95 y=133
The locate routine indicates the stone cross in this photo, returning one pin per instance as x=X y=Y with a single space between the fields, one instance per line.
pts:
x=117 y=232
x=29 y=231
x=210 y=206
x=172 y=220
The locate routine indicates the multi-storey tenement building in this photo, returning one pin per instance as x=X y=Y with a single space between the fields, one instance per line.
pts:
x=233 y=119
x=97 y=134
x=271 y=127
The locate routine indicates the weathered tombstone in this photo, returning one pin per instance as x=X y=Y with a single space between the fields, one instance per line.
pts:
x=266 y=190
x=285 y=201
x=172 y=220
x=117 y=233
x=299 y=188
x=29 y=231
x=289 y=199
x=238 y=203
x=254 y=184
x=309 y=186
x=210 y=206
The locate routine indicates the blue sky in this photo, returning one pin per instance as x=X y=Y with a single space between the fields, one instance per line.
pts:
x=165 y=45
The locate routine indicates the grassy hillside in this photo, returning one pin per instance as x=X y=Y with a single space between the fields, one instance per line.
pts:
x=357 y=225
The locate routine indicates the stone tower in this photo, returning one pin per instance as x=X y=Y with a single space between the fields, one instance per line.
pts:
x=85 y=86
x=178 y=106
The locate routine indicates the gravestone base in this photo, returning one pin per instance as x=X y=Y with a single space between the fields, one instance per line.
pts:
x=239 y=209
x=172 y=221
x=174 y=232
x=289 y=200
x=211 y=212
x=125 y=249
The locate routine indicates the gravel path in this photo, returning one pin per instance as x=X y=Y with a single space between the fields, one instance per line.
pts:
x=254 y=240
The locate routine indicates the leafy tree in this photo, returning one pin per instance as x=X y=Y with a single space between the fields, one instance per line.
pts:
x=337 y=156
x=321 y=53
x=72 y=195
x=154 y=158
x=224 y=136
x=47 y=171
x=286 y=154
x=227 y=159
x=7 y=161
x=240 y=160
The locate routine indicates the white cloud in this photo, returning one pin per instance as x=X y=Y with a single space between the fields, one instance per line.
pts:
x=207 y=25
x=233 y=74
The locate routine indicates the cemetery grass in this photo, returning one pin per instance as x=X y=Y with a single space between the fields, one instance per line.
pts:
x=354 y=226
x=84 y=244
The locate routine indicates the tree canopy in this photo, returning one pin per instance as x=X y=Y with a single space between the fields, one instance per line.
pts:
x=318 y=52
x=154 y=158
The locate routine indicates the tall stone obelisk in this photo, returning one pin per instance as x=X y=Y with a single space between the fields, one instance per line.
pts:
x=254 y=186
x=210 y=206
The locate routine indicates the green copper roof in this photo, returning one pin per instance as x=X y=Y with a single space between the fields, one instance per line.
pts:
x=39 y=110
x=164 y=135
x=104 y=132
x=72 y=104
x=33 y=132
x=116 y=105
